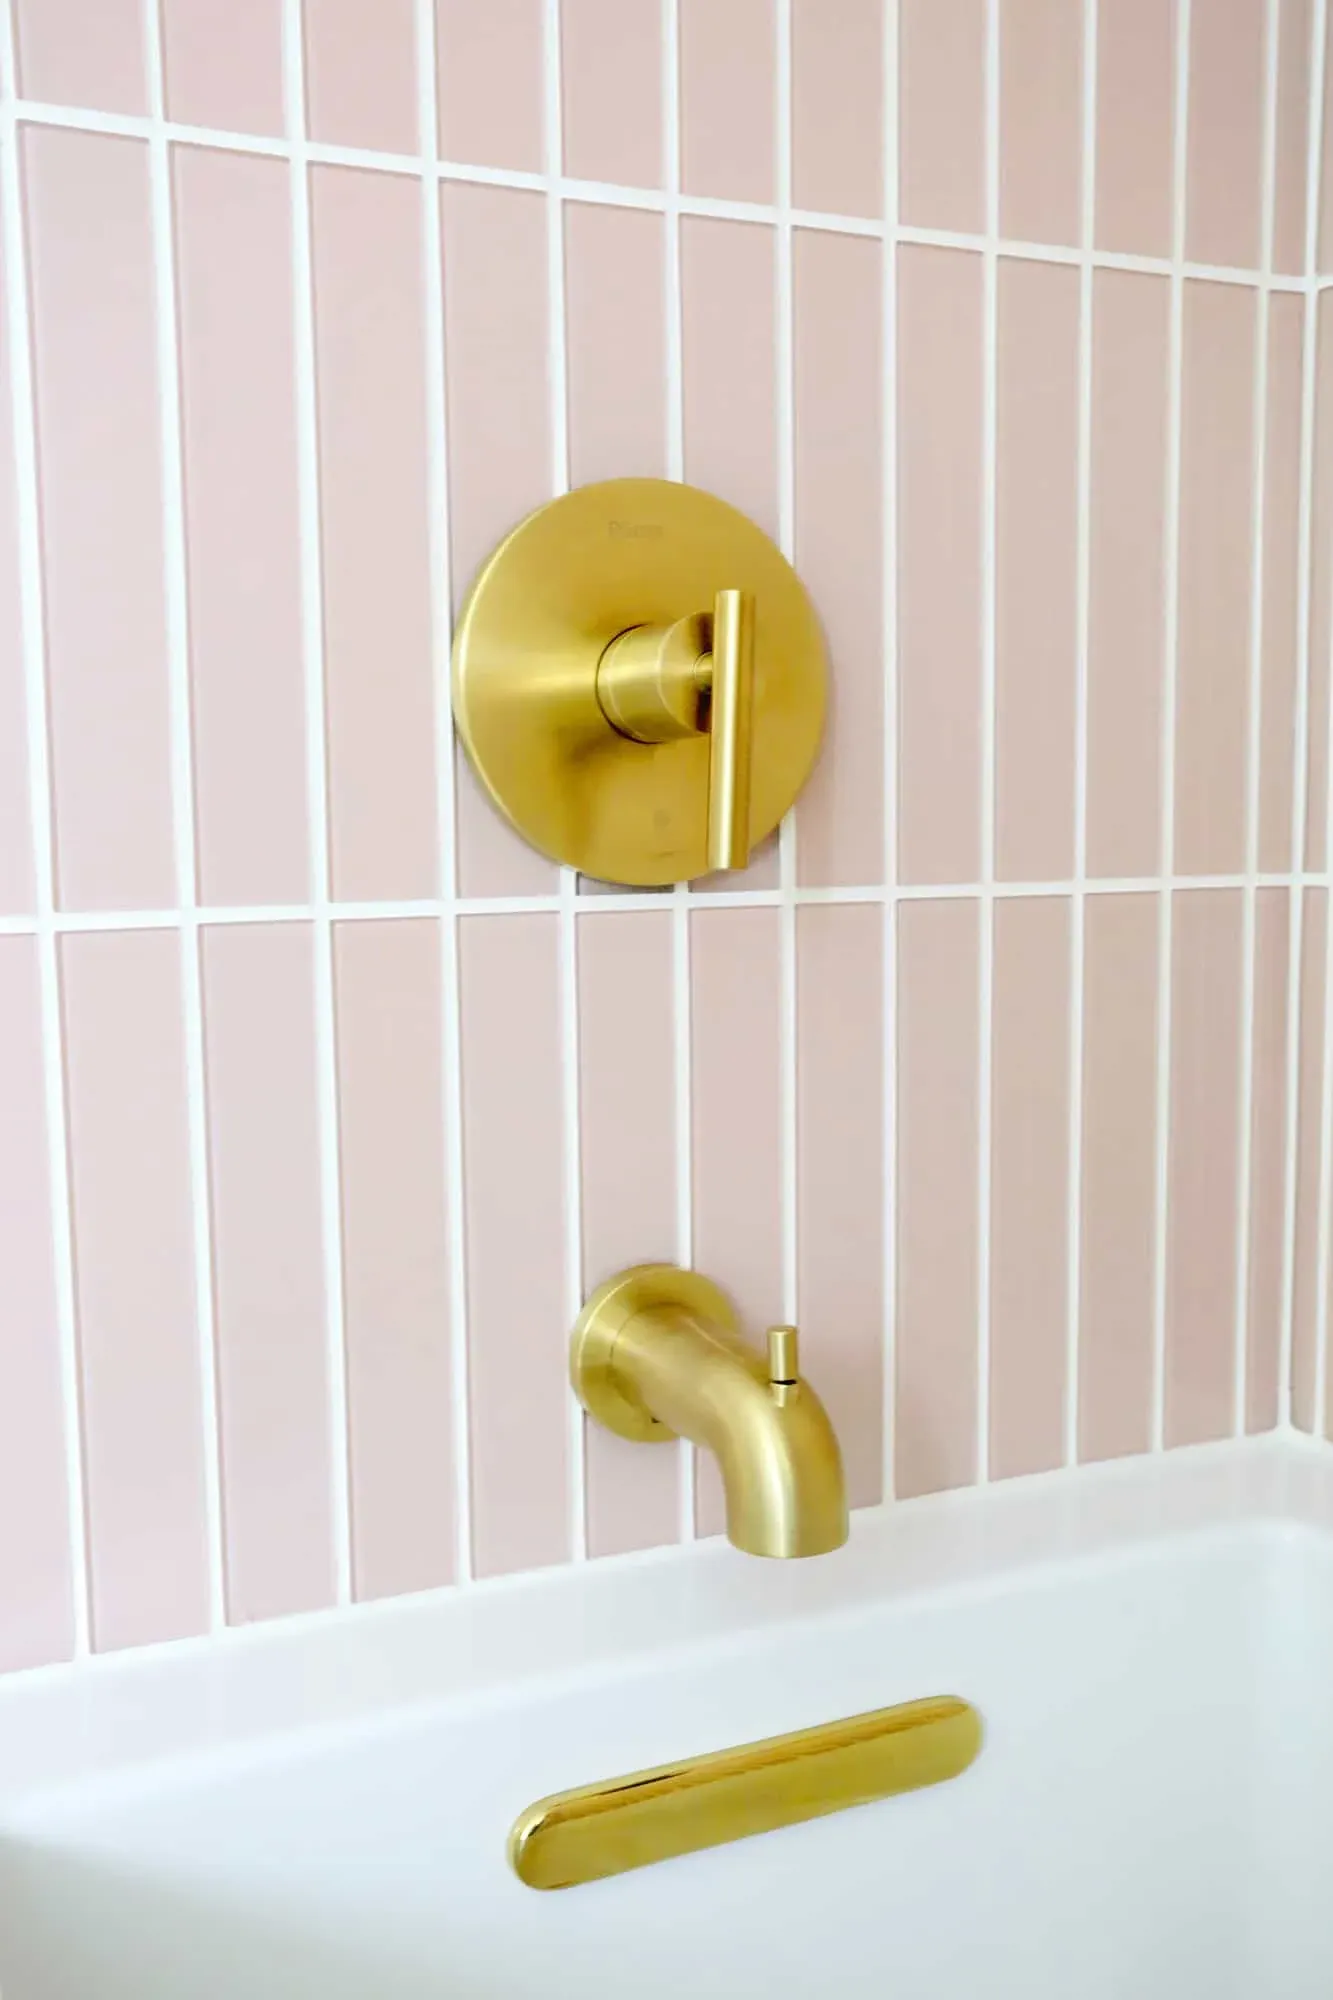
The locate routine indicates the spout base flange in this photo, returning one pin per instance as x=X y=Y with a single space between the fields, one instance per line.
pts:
x=602 y=1391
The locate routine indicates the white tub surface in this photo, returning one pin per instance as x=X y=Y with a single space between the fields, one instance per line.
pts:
x=320 y=1808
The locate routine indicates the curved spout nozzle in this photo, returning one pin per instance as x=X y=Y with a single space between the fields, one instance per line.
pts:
x=657 y=1354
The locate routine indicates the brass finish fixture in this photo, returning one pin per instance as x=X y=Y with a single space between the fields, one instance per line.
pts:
x=604 y=1829
x=639 y=682
x=657 y=1353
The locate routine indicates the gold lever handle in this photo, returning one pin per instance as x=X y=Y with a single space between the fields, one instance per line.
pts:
x=731 y=730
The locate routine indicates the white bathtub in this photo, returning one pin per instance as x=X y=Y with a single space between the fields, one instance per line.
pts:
x=321 y=1809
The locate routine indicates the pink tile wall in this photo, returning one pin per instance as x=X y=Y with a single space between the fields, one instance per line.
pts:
x=343 y=1111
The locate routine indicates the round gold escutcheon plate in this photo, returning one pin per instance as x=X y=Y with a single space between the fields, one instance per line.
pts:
x=592 y=1344
x=542 y=611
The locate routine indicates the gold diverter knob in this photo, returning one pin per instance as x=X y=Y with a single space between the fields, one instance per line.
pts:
x=639 y=682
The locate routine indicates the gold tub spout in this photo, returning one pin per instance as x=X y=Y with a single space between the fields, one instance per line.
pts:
x=657 y=1353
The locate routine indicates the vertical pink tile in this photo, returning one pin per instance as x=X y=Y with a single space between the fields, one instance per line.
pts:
x=728 y=99
x=82 y=52
x=837 y=106
x=729 y=363
x=16 y=872
x=395 y=1256
x=1126 y=578
x=627 y=1128
x=222 y=66
x=1205 y=1113
x=370 y=360
x=939 y=565
x=1118 y=1231
x=242 y=532
x=616 y=312
x=35 y=1582
x=268 y=1270
x=1324 y=252
x=736 y=1112
x=1216 y=495
x=94 y=346
x=514 y=1171
x=1321 y=595
x=840 y=1192
x=1293 y=116
x=942 y=114
x=1268 y=1147
x=1305 y=1249
x=1036 y=560
x=1029 y=1185
x=1224 y=173
x=839 y=545
x=135 y=1285
x=495 y=339
x=490 y=82
x=611 y=78
x=361 y=73
x=1135 y=123
x=1281 y=580
x=1041 y=118
x=937 y=1264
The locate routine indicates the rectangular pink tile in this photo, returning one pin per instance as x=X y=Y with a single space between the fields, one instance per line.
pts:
x=736 y=1124
x=1126 y=641
x=17 y=886
x=1205 y=1116
x=611 y=83
x=935 y=1401
x=1118 y=1230
x=839 y=545
x=496 y=344
x=840 y=1190
x=242 y=528
x=616 y=313
x=1324 y=254
x=728 y=98
x=513 y=1161
x=370 y=364
x=1029 y=1185
x=1321 y=595
x=1041 y=119
x=837 y=106
x=395 y=1256
x=1268 y=1147
x=268 y=1267
x=36 y=1623
x=135 y=1285
x=1036 y=563
x=222 y=66
x=939 y=565
x=1216 y=496
x=94 y=309
x=490 y=82
x=1309 y=1196
x=1281 y=580
x=1225 y=171
x=1135 y=126
x=627 y=1148
x=942 y=113
x=1292 y=139
x=361 y=73
x=87 y=52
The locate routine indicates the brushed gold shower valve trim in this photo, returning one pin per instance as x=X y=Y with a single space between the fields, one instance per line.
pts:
x=639 y=682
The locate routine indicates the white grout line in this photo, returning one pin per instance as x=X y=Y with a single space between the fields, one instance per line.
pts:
x=785 y=336
x=568 y=898
x=183 y=815
x=312 y=640
x=1170 y=642
x=986 y=913
x=889 y=576
x=1300 y=763
x=1245 y=1149
x=437 y=462
x=33 y=615
x=1078 y=907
